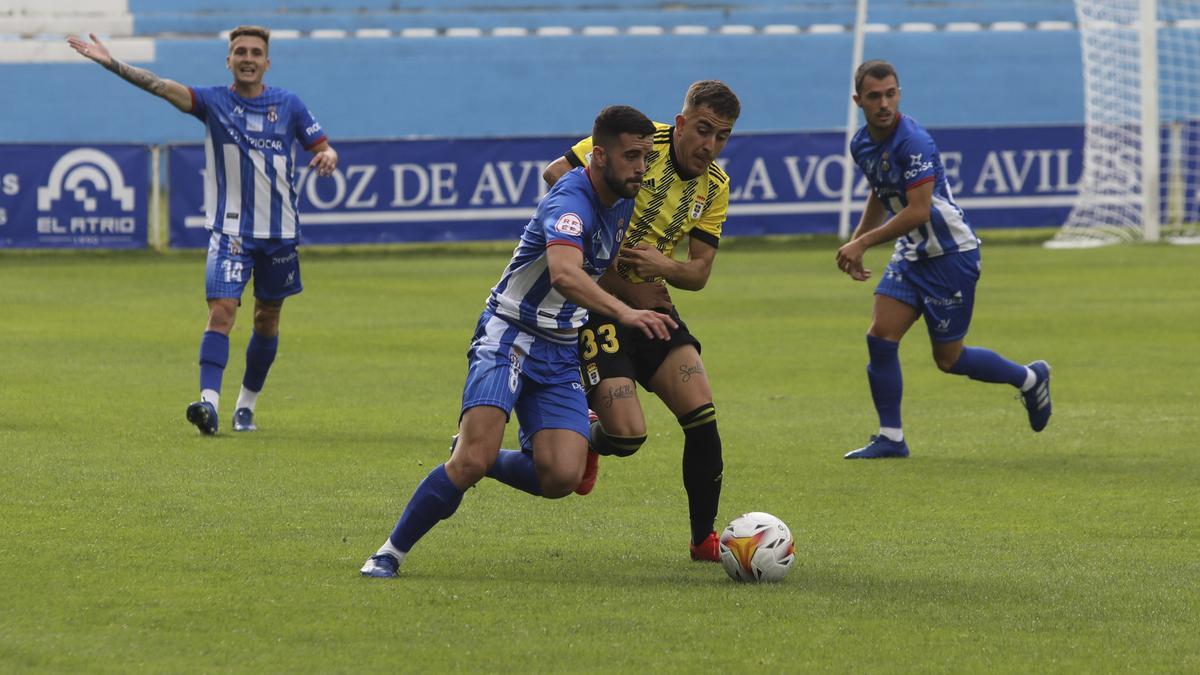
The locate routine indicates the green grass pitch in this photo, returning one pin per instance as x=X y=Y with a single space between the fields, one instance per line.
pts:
x=130 y=543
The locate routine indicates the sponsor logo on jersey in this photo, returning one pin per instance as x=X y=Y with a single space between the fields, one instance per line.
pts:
x=648 y=184
x=569 y=223
x=917 y=166
x=254 y=122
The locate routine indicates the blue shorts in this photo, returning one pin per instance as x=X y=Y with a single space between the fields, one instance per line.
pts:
x=509 y=368
x=941 y=288
x=274 y=264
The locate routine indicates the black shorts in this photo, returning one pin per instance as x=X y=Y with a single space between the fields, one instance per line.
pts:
x=608 y=349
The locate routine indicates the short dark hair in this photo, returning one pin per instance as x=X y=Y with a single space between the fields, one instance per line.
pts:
x=253 y=31
x=877 y=69
x=716 y=95
x=619 y=119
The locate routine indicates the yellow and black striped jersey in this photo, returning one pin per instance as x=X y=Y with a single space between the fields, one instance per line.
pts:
x=668 y=206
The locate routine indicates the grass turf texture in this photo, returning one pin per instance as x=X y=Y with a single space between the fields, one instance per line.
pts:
x=134 y=544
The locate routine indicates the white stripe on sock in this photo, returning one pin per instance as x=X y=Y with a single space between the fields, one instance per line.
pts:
x=1030 y=379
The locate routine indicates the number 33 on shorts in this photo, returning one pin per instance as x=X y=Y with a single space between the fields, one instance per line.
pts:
x=605 y=337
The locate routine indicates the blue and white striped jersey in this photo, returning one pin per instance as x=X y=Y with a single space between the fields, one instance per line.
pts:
x=250 y=159
x=902 y=161
x=570 y=214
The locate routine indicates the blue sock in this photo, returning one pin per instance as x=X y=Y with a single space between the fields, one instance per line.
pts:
x=986 y=365
x=214 y=354
x=260 y=354
x=887 y=385
x=516 y=469
x=435 y=499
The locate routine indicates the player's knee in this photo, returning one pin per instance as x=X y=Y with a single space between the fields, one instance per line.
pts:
x=561 y=482
x=221 y=316
x=946 y=358
x=469 y=467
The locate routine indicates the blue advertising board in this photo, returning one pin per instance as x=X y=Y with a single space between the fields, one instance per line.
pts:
x=478 y=189
x=74 y=196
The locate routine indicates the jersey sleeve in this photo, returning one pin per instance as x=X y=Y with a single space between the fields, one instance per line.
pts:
x=307 y=129
x=567 y=219
x=916 y=159
x=200 y=99
x=580 y=154
x=708 y=230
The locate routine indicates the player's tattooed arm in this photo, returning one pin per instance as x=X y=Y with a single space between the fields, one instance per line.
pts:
x=138 y=77
x=176 y=94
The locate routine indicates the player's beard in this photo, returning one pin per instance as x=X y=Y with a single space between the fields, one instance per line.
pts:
x=624 y=189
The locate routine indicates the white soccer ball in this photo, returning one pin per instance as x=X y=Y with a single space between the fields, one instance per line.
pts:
x=757 y=547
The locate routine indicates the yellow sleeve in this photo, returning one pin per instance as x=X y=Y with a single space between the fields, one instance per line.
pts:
x=714 y=216
x=581 y=153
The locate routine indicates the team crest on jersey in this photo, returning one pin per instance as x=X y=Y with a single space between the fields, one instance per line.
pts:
x=569 y=223
x=697 y=207
x=272 y=115
x=593 y=374
x=885 y=166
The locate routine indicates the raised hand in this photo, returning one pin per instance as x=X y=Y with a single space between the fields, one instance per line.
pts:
x=94 y=50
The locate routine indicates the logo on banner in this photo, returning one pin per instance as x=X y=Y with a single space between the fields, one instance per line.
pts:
x=77 y=168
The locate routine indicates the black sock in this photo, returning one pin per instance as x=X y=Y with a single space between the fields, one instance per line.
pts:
x=603 y=443
x=702 y=467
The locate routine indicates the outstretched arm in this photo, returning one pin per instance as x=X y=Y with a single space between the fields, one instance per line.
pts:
x=176 y=94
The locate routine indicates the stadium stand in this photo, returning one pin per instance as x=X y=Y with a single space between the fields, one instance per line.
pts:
x=378 y=68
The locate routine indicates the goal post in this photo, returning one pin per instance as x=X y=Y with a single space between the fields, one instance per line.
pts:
x=1141 y=155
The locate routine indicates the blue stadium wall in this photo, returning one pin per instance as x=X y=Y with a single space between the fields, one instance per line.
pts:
x=535 y=85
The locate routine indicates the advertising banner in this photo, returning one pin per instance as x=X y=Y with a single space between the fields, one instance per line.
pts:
x=781 y=183
x=74 y=196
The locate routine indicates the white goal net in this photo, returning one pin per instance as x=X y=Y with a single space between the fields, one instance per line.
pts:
x=1141 y=159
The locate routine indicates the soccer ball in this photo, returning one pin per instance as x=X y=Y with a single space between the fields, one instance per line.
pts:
x=757 y=547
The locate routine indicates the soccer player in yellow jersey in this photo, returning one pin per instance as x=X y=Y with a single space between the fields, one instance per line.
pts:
x=684 y=193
